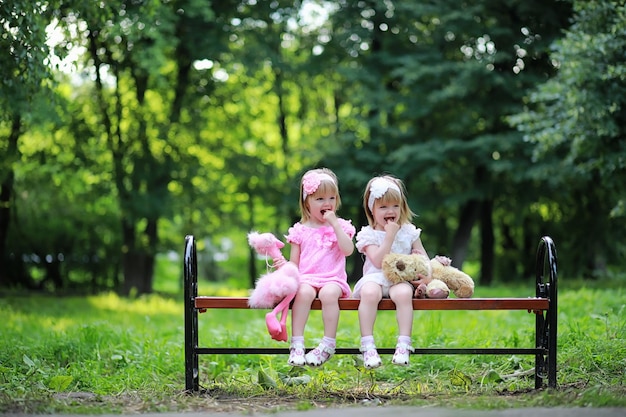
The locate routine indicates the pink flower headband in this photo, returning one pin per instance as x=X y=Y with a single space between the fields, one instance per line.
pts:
x=312 y=181
x=378 y=189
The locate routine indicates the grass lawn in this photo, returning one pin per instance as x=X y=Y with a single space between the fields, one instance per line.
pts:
x=104 y=354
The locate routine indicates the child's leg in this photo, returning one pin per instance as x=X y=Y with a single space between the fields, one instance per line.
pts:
x=299 y=316
x=329 y=296
x=402 y=296
x=301 y=308
x=371 y=294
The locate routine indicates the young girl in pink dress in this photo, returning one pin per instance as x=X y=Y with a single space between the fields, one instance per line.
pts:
x=320 y=243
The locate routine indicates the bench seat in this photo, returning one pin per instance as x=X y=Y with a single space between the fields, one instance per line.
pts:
x=530 y=304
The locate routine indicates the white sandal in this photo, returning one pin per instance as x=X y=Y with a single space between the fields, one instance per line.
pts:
x=319 y=355
x=296 y=354
x=402 y=353
x=371 y=358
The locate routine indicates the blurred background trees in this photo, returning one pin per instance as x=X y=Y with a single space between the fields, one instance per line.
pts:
x=125 y=125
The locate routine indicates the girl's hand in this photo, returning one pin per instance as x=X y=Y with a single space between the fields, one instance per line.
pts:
x=278 y=262
x=330 y=217
x=421 y=279
x=391 y=228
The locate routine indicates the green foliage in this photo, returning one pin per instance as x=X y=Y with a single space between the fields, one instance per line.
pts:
x=66 y=216
x=195 y=117
x=24 y=65
x=578 y=112
x=576 y=123
x=57 y=355
x=431 y=84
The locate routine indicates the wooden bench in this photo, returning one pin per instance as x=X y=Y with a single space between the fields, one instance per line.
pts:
x=543 y=305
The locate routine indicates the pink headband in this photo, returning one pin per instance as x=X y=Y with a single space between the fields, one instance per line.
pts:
x=378 y=189
x=312 y=181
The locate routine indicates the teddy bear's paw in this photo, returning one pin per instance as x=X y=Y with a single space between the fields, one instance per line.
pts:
x=438 y=293
x=464 y=292
x=420 y=291
x=443 y=260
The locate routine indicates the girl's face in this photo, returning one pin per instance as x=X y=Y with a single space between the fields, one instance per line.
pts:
x=385 y=212
x=319 y=203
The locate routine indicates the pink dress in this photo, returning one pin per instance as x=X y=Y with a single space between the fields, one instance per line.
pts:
x=321 y=260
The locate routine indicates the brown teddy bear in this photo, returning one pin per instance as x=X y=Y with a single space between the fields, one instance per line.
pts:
x=398 y=267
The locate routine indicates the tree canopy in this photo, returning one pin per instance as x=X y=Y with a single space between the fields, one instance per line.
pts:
x=504 y=119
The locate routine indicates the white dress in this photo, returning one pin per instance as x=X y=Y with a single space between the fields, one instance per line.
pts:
x=402 y=243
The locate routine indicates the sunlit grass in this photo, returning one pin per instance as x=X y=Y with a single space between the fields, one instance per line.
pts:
x=131 y=351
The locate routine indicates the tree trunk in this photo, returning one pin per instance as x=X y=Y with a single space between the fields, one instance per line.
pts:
x=467 y=217
x=138 y=271
x=252 y=270
x=6 y=195
x=486 y=243
x=529 y=248
x=53 y=273
x=138 y=261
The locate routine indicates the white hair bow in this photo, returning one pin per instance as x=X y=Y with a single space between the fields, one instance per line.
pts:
x=378 y=188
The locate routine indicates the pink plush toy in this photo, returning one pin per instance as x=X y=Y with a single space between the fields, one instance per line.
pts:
x=275 y=289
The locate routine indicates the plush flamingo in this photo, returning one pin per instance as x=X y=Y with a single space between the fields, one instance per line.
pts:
x=275 y=289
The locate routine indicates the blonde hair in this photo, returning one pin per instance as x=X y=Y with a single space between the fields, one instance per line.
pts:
x=325 y=186
x=391 y=196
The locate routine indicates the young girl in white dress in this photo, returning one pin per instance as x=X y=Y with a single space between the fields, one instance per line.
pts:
x=389 y=231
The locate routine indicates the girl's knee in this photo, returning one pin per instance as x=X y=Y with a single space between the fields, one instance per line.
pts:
x=306 y=292
x=371 y=294
x=401 y=292
x=330 y=294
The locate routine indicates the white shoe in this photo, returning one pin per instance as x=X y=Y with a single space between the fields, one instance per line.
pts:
x=402 y=353
x=371 y=359
x=319 y=355
x=296 y=354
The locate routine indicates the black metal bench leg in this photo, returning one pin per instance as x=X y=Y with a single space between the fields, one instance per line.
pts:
x=546 y=327
x=540 y=362
x=552 y=315
x=191 y=316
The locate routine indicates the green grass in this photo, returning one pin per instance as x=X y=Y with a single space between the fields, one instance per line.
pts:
x=104 y=354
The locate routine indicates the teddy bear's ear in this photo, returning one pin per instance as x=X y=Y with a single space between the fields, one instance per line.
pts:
x=437 y=289
x=400 y=265
x=390 y=268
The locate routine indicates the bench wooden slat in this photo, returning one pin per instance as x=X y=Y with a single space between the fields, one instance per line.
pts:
x=531 y=304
